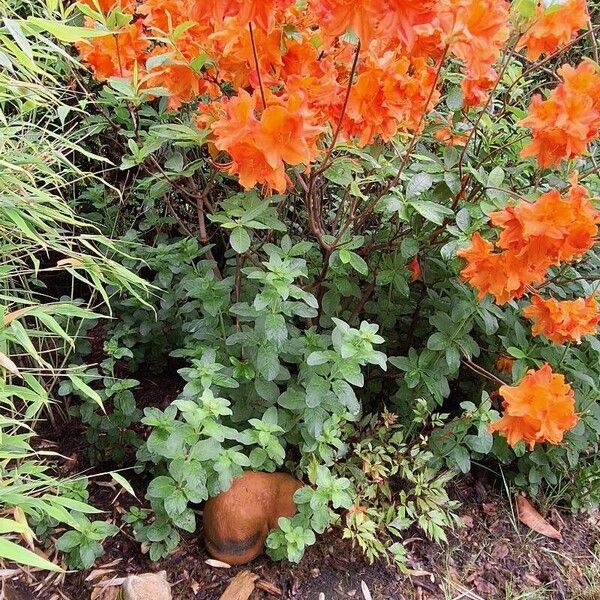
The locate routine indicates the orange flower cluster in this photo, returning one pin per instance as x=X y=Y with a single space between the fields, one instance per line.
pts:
x=475 y=32
x=565 y=123
x=563 y=322
x=533 y=237
x=116 y=54
x=261 y=147
x=540 y=409
x=552 y=28
x=297 y=54
x=378 y=104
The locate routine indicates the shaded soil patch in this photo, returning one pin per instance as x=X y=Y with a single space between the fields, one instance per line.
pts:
x=491 y=556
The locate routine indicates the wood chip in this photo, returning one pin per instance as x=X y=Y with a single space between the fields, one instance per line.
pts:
x=532 y=518
x=365 y=591
x=218 y=564
x=268 y=587
x=240 y=587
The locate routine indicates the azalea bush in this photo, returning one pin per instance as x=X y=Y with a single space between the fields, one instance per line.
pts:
x=370 y=231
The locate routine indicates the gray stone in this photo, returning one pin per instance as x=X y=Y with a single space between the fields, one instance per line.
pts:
x=148 y=586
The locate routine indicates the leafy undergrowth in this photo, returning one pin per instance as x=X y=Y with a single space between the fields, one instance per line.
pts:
x=491 y=555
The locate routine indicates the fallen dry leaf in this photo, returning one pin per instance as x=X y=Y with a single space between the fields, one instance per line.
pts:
x=97 y=573
x=500 y=551
x=105 y=593
x=240 y=587
x=485 y=587
x=467 y=521
x=532 y=518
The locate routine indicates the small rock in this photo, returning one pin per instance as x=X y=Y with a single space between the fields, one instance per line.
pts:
x=148 y=586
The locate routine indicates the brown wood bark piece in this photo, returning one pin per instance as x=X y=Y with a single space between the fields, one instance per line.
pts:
x=240 y=587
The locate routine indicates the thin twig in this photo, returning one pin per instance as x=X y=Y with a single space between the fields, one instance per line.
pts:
x=260 y=85
x=338 y=128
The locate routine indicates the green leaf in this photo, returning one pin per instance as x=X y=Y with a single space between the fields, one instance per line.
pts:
x=496 y=177
x=239 y=240
x=433 y=212
x=481 y=443
x=358 y=263
x=454 y=98
x=418 y=184
x=85 y=389
x=65 y=33
x=123 y=482
x=516 y=352
x=525 y=8
x=267 y=362
x=460 y=457
x=15 y=553
x=275 y=329
x=161 y=487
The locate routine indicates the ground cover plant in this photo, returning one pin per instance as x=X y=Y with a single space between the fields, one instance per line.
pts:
x=368 y=231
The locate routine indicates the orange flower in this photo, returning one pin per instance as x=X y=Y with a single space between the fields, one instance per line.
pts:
x=448 y=136
x=550 y=230
x=505 y=363
x=390 y=95
x=475 y=91
x=415 y=269
x=366 y=18
x=115 y=54
x=562 y=322
x=261 y=12
x=564 y=124
x=502 y=274
x=164 y=15
x=261 y=148
x=540 y=409
x=173 y=71
x=232 y=50
x=552 y=28
x=475 y=30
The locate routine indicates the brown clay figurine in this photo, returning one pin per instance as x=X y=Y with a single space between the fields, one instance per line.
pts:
x=237 y=522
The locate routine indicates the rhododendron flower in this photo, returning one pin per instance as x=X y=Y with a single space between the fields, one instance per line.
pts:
x=366 y=18
x=552 y=28
x=568 y=120
x=448 y=136
x=475 y=91
x=260 y=148
x=261 y=12
x=164 y=15
x=475 y=31
x=505 y=363
x=390 y=95
x=540 y=409
x=234 y=54
x=414 y=268
x=504 y=275
x=550 y=230
x=562 y=322
x=114 y=54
